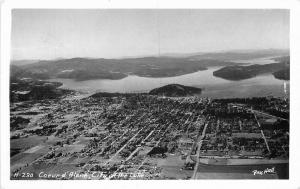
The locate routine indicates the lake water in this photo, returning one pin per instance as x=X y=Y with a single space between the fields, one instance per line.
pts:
x=214 y=87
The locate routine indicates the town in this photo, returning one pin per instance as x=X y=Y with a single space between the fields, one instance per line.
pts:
x=141 y=136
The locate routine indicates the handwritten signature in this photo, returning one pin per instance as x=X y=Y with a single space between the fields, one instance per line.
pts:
x=263 y=172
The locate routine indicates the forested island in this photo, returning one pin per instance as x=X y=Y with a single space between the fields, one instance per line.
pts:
x=175 y=90
x=280 y=70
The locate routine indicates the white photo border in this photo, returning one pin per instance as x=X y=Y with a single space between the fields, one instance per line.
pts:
x=292 y=5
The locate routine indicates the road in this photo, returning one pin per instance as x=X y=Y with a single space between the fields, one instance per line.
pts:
x=259 y=112
x=123 y=147
x=198 y=151
x=132 y=154
x=196 y=139
x=262 y=133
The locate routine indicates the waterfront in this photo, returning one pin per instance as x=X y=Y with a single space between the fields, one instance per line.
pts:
x=262 y=85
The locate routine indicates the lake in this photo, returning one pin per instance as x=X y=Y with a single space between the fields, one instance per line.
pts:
x=214 y=87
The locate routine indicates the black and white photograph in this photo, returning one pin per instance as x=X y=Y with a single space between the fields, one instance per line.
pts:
x=149 y=94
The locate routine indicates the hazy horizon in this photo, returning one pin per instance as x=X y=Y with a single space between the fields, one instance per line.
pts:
x=150 y=55
x=53 y=34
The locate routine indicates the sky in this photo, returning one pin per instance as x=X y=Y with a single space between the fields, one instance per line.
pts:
x=113 y=33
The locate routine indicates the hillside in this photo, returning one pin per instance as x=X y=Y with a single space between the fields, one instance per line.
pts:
x=23 y=62
x=85 y=69
x=167 y=65
x=282 y=74
x=30 y=89
x=39 y=93
x=235 y=73
x=175 y=90
x=17 y=72
x=242 y=54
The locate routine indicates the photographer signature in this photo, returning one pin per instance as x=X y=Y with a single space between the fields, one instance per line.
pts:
x=263 y=172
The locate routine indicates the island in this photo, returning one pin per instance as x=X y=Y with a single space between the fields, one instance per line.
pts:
x=282 y=74
x=175 y=90
x=236 y=73
x=280 y=70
